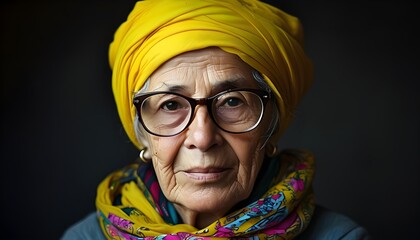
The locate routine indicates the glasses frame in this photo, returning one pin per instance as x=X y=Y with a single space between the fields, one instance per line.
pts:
x=262 y=94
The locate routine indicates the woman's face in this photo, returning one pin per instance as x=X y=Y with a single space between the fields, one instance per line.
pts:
x=204 y=170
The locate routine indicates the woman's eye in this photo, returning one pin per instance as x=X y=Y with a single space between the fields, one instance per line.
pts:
x=170 y=106
x=233 y=102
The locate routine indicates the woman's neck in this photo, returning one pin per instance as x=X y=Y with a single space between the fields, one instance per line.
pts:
x=197 y=219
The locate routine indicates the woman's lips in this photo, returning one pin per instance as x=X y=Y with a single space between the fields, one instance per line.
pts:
x=206 y=174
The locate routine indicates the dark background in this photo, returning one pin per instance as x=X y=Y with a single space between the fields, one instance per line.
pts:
x=60 y=133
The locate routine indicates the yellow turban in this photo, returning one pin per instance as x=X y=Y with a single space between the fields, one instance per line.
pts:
x=268 y=39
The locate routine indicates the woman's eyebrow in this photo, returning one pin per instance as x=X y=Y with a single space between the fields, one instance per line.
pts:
x=229 y=84
x=220 y=86
x=172 y=88
x=177 y=88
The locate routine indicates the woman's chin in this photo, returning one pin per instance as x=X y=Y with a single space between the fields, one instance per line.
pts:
x=210 y=201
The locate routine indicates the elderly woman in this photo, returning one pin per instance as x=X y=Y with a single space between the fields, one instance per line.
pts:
x=205 y=89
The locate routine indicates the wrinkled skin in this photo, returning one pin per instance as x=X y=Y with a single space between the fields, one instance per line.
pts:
x=203 y=170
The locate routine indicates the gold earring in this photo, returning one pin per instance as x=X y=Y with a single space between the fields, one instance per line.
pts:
x=142 y=157
x=271 y=150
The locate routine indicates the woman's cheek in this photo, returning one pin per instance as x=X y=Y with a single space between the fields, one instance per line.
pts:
x=165 y=149
x=247 y=148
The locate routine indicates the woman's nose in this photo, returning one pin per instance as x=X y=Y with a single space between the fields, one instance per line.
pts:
x=202 y=132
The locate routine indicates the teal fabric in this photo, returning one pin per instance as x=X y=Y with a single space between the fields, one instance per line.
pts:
x=325 y=225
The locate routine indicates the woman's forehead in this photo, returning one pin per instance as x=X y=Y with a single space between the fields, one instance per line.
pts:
x=211 y=66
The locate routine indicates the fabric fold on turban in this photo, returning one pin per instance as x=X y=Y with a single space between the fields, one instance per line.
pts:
x=266 y=38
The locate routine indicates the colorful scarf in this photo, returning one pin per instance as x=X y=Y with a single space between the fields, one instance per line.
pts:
x=130 y=205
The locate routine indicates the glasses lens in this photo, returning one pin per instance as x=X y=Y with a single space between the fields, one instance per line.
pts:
x=238 y=111
x=165 y=114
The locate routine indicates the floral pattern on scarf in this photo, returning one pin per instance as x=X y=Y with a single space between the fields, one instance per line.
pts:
x=132 y=206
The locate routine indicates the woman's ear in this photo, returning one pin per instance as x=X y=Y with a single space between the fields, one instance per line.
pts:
x=143 y=142
x=146 y=146
x=271 y=149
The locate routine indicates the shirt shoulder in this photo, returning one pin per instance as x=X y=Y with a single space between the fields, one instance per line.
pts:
x=86 y=228
x=327 y=224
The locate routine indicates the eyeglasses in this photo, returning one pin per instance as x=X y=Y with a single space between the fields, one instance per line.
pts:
x=167 y=114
